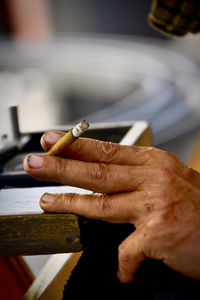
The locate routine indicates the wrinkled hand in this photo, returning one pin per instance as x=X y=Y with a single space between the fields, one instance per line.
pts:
x=148 y=187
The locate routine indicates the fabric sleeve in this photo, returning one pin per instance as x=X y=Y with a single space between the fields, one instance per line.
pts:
x=175 y=17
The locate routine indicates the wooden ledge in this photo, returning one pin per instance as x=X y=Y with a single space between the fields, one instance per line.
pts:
x=39 y=234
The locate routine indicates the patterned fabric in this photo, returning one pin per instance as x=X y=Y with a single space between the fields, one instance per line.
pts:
x=176 y=17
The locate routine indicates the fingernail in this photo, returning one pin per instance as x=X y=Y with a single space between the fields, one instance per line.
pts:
x=34 y=161
x=51 y=138
x=46 y=198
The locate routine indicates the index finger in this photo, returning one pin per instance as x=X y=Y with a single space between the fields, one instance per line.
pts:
x=98 y=151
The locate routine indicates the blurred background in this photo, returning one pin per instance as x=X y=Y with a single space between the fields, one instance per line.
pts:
x=61 y=61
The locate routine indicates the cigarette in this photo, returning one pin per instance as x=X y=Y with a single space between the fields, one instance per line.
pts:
x=68 y=138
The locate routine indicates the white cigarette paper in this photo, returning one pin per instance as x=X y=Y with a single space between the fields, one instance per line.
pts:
x=79 y=129
x=69 y=137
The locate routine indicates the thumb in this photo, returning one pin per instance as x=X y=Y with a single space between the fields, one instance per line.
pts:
x=130 y=256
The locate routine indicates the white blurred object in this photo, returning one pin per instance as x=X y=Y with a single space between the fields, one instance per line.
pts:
x=30 y=92
x=107 y=80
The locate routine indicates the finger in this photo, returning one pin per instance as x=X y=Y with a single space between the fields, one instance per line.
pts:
x=116 y=208
x=98 y=177
x=130 y=256
x=97 y=151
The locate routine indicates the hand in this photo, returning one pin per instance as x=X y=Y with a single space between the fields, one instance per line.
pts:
x=148 y=187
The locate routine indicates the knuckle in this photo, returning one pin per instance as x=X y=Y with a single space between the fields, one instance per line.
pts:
x=123 y=254
x=59 y=199
x=153 y=151
x=108 y=151
x=78 y=146
x=65 y=201
x=165 y=173
x=192 y=175
x=61 y=167
x=99 y=172
x=69 y=200
x=164 y=195
x=169 y=158
x=166 y=158
x=102 y=204
x=151 y=154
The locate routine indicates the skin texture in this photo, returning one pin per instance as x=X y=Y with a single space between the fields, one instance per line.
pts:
x=145 y=186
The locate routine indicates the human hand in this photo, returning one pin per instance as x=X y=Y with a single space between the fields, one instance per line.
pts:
x=145 y=186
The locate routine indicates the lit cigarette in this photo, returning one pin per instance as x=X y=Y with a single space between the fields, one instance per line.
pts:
x=68 y=138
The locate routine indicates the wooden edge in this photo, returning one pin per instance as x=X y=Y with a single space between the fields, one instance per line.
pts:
x=145 y=140
x=39 y=234
x=50 y=282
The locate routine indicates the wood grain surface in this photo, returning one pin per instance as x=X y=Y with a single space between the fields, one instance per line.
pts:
x=39 y=234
